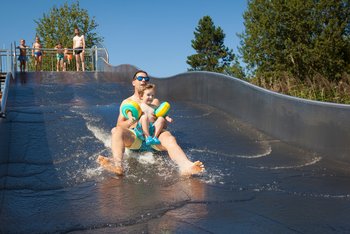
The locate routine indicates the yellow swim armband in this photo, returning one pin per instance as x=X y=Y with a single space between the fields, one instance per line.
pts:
x=162 y=110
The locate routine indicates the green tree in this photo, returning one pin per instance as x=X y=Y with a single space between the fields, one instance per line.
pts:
x=299 y=37
x=57 y=26
x=236 y=70
x=212 y=54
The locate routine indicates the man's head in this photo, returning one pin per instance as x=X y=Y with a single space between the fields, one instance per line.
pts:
x=76 y=31
x=139 y=80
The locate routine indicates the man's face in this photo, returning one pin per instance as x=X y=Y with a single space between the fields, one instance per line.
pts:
x=140 y=83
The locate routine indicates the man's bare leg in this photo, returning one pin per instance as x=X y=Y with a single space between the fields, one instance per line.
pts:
x=186 y=167
x=77 y=58
x=120 y=138
x=82 y=60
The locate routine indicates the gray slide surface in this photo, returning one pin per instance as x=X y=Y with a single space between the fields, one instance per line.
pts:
x=257 y=180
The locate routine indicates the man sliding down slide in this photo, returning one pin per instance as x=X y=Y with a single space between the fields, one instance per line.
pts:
x=123 y=136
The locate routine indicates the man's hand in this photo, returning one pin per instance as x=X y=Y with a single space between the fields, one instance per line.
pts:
x=131 y=121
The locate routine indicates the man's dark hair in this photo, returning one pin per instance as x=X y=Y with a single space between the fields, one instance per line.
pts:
x=138 y=71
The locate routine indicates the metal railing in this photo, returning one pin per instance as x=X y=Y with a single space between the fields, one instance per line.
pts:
x=5 y=60
x=9 y=59
x=49 y=59
x=9 y=64
x=4 y=94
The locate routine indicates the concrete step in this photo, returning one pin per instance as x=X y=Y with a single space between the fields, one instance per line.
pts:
x=2 y=81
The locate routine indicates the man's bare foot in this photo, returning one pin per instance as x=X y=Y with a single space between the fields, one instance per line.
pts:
x=196 y=168
x=109 y=165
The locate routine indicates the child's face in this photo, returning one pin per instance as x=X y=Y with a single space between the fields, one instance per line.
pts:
x=148 y=96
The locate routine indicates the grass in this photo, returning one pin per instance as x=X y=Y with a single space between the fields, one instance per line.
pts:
x=316 y=88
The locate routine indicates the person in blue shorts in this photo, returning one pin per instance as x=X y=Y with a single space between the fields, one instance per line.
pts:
x=59 y=57
x=124 y=136
x=22 y=58
x=37 y=53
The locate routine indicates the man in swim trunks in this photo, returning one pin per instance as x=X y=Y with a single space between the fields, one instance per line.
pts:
x=123 y=137
x=22 y=58
x=37 y=54
x=79 y=49
x=59 y=57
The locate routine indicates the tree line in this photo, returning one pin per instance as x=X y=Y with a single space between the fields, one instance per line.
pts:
x=296 y=47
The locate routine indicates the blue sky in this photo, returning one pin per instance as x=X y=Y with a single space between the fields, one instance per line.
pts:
x=154 y=35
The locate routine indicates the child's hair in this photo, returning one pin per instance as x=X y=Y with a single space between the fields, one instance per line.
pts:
x=147 y=86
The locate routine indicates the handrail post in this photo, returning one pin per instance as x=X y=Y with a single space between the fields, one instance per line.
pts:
x=95 y=57
x=13 y=60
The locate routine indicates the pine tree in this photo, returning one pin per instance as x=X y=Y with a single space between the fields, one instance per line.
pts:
x=212 y=54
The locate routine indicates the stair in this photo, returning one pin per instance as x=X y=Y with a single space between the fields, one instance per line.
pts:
x=2 y=82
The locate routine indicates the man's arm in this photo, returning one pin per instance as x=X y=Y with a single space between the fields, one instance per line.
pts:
x=124 y=122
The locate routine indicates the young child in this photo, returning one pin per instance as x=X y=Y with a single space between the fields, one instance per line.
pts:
x=149 y=125
x=37 y=53
x=67 y=58
x=22 y=55
x=59 y=57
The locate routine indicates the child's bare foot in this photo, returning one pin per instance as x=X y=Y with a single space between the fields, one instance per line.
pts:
x=196 y=168
x=108 y=165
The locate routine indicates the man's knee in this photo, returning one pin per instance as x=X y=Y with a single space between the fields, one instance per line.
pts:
x=114 y=130
x=118 y=130
x=167 y=139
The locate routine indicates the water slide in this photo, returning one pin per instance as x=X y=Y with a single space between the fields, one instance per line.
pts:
x=274 y=164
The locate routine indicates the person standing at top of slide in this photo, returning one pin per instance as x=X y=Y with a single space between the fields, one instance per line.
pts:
x=37 y=53
x=22 y=55
x=79 y=49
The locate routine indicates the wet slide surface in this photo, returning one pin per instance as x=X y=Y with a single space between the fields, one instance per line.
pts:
x=60 y=123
